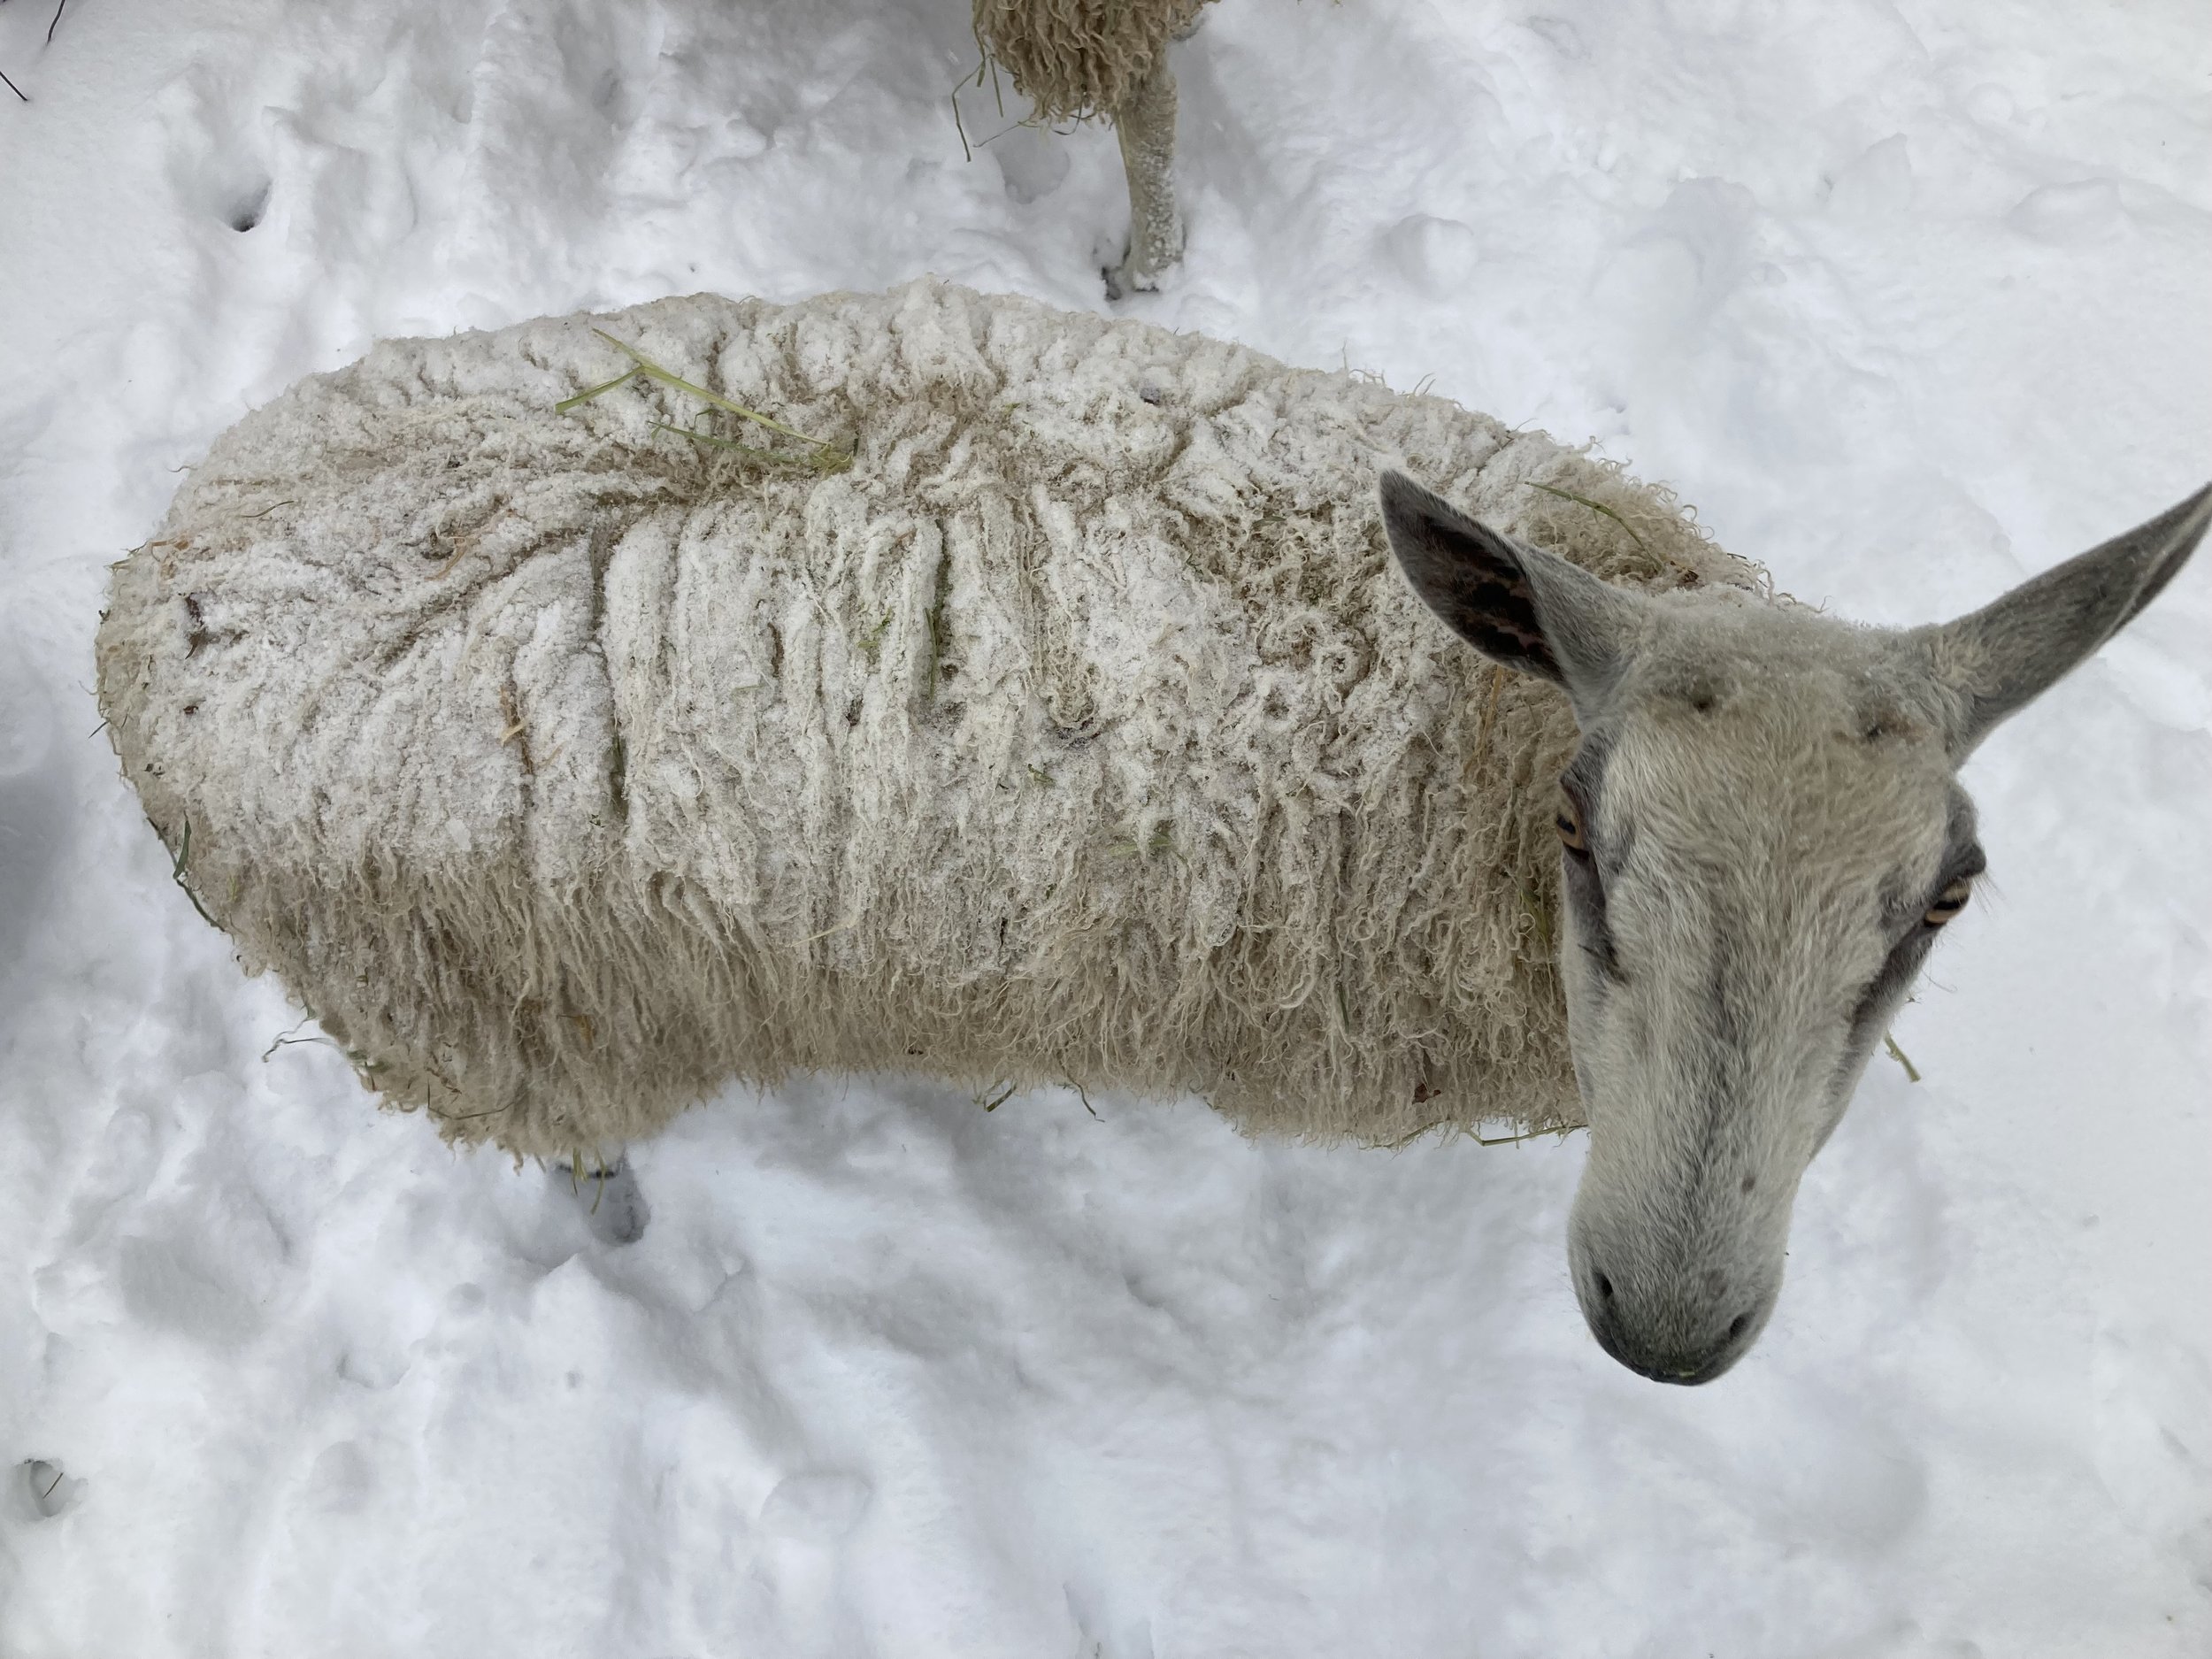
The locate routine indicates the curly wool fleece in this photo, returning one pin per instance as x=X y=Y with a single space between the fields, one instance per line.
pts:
x=1077 y=58
x=1082 y=731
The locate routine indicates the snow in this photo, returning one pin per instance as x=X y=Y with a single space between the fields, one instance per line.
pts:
x=1908 y=297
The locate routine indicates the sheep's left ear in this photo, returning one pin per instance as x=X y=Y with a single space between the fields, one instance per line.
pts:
x=2004 y=655
x=1516 y=605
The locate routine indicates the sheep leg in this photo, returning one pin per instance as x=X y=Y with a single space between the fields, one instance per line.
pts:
x=614 y=1208
x=1145 y=123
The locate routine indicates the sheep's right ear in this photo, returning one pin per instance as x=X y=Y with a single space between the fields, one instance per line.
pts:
x=1515 y=603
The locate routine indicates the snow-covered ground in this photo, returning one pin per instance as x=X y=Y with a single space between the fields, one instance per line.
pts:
x=1909 y=296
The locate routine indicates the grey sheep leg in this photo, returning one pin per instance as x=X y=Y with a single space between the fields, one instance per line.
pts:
x=1145 y=123
x=614 y=1206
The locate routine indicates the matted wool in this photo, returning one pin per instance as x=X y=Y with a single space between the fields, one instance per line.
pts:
x=1083 y=731
x=1078 y=58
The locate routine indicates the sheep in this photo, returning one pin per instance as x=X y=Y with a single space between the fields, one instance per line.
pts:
x=1077 y=59
x=1039 y=698
x=1078 y=730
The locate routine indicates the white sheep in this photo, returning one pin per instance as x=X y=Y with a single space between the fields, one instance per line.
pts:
x=1081 y=730
x=1052 y=711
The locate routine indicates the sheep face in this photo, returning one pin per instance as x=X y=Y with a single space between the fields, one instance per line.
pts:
x=1762 y=834
x=1760 y=843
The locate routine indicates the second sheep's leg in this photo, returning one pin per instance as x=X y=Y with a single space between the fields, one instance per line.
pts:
x=614 y=1206
x=1145 y=123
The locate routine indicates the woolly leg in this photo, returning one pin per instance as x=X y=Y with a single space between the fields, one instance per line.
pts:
x=1145 y=123
x=614 y=1208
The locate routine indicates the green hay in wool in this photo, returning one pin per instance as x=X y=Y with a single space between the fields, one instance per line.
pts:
x=822 y=457
x=1594 y=506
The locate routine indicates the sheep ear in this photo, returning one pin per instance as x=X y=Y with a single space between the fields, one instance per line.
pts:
x=2004 y=655
x=1515 y=603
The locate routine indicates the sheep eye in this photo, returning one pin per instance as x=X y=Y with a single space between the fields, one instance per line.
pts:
x=1949 y=902
x=1569 y=823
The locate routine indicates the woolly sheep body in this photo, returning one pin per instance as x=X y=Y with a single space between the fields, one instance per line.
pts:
x=1082 y=732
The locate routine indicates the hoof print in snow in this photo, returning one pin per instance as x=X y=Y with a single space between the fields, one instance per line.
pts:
x=819 y=1507
x=2082 y=210
x=613 y=1206
x=340 y=1479
x=247 y=206
x=50 y=1491
x=1436 y=257
x=1032 y=164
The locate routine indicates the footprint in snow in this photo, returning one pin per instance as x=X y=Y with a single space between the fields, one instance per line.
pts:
x=46 y=1489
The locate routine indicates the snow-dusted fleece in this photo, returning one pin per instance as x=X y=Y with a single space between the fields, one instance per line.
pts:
x=565 y=766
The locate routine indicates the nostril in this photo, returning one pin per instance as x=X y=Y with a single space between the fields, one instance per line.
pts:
x=1738 y=1326
x=1605 y=1288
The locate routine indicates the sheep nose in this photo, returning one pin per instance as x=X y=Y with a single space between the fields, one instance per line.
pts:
x=1663 y=1339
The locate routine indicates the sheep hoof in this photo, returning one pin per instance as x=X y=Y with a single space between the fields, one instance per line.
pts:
x=1131 y=276
x=614 y=1206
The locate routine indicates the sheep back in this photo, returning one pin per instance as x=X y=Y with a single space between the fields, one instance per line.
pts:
x=567 y=768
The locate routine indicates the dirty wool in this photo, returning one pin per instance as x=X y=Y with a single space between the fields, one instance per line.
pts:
x=1023 y=697
x=1076 y=59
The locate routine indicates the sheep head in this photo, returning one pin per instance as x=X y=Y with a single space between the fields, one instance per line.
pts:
x=1761 y=834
